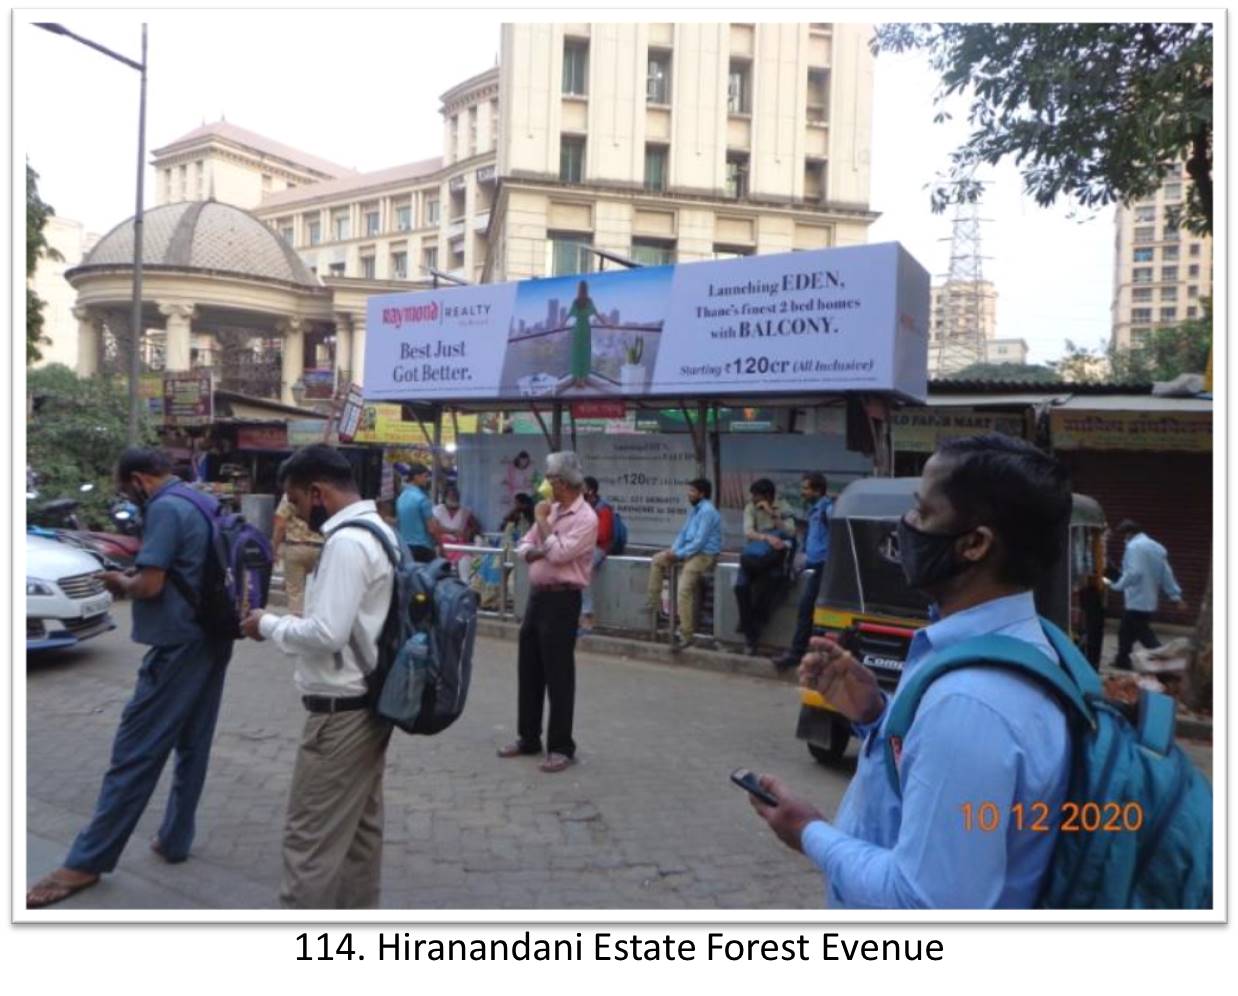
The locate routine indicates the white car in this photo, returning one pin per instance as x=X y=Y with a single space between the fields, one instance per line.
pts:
x=65 y=599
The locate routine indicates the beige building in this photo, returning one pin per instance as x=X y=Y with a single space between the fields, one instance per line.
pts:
x=1161 y=272
x=971 y=307
x=72 y=242
x=657 y=142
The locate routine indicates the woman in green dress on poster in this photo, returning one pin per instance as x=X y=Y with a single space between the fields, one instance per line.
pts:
x=580 y=369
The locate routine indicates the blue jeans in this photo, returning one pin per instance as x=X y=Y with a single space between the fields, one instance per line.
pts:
x=808 y=602
x=174 y=705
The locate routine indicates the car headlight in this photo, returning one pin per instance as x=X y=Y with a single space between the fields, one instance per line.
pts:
x=36 y=587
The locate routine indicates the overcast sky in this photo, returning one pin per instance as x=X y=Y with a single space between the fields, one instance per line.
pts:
x=361 y=89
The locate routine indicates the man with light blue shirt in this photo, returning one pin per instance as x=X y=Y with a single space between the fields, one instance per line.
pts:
x=415 y=515
x=989 y=519
x=1145 y=574
x=816 y=551
x=696 y=548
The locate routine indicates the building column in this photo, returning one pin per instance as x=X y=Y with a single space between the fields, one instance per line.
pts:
x=178 y=320
x=88 y=330
x=358 y=350
x=293 y=357
x=344 y=370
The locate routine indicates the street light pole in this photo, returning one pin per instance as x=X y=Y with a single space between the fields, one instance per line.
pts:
x=135 y=355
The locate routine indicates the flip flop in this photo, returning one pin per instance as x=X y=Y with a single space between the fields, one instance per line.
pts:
x=56 y=890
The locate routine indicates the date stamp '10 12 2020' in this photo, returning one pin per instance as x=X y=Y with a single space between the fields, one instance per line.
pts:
x=1069 y=817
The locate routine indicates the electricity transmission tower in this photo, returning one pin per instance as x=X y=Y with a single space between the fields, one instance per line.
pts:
x=966 y=298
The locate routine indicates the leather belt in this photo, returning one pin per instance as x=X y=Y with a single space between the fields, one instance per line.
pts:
x=328 y=703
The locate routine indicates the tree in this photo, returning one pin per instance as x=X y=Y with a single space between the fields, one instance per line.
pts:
x=1027 y=373
x=37 y=247
x=77 y=431
x=1163 y=355
x=1098 y=112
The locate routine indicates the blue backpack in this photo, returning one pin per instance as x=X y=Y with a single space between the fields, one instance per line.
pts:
x=1143 y=812
x=237 y=575
x=425 y=649
x=619 y=529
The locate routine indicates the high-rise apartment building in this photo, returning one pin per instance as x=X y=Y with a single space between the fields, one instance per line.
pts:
x=966 y=304
x=1161 y=271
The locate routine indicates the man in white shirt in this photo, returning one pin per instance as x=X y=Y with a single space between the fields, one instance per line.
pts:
x=333 y=834
x=1145 y=574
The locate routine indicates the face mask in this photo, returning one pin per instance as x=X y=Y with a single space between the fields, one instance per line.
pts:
x=928 y=558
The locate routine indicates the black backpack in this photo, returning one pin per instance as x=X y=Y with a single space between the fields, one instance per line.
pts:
x=425 y=649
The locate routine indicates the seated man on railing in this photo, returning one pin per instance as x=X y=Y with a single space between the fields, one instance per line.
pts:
x=696 y=547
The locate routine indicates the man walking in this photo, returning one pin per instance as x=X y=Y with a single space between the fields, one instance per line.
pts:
x=179 y=687
x=989 y=521
x=696 y=547
x=415 y=514
x=300 y=547
x=1145 y=574
x=333 y=832
x=559 y=551
x=816 y=552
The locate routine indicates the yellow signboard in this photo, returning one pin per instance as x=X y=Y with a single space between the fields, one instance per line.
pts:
x=384 y=423
x=1149 y=431
x=922 y=430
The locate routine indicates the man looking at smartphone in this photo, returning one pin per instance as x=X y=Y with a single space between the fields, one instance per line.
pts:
x=989 y=518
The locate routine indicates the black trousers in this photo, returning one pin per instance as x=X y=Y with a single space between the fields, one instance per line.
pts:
x=547 y=669
x=808 y=603
x=1093 y=606
x=1134 y=627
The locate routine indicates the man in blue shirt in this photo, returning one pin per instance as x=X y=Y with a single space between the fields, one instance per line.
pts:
x=1145 y=574
x=696 y=548
x=179 y=687
x=989 y=519
x=415 y=514
x=816 y=551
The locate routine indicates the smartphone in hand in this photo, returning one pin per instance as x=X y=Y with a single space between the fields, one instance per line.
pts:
x=747 y=780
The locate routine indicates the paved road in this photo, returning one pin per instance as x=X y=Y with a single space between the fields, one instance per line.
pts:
x=647 y=819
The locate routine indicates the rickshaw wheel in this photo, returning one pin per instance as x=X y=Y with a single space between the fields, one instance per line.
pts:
x=840 y=737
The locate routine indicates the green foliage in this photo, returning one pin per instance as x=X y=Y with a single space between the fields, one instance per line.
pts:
x=1098 y=112
x=1163 y=355
x=1028 y=373
x=76 y=434
x=37 y=247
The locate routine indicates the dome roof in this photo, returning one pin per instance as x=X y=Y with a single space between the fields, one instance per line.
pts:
x=203 y=235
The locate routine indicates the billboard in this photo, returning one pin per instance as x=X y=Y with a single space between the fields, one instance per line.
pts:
x=829 y=320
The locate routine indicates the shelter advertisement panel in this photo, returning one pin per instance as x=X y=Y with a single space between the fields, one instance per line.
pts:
x=849 y=319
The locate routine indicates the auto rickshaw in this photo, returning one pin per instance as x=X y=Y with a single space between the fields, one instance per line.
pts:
x=866 y=604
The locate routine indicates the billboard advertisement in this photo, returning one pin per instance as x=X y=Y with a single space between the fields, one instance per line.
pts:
x=829 y=320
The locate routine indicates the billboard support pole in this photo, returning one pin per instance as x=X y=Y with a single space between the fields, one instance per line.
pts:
x=697 y=432
x=556 y=427
x=715 y=445
x=437 y=474
x=542 y=422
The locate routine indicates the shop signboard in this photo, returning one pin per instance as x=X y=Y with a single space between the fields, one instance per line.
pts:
x=1150 y=431
x=922 y=430
x=305 y=431
x=187 y=398
x=262 y=437
x=319 y=384
x=828 y=320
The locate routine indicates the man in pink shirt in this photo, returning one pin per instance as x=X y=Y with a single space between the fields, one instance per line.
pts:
x=559 y=552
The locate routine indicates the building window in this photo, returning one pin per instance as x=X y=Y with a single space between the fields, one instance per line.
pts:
x=1141 y=294
x=1141 y=275
x=371 y=221
x=339 y=226
x=1169 y=293
x=1143 y=255
x=336 y=270
x=472 y=131
x=814 y=182
x=1173 y=192
x=1194 y=250
x=403 y=217
x=1138 y=336
x=1170 y=233
x=494 y=124
x=1146 y=234
x=571 y=159
x=738 y=98
x=1193 y=270
x=818 y=96
x=399 y=266
x=658 y=78
x=736 y=175
x=575 y=68
x=1169 y=254
x=651 y=253
x=1192 y=312
x=1169 y=274
x=367 y=267
x=184 y=175
x=167 y=184
x=200 y=173
x=453 y=144
x=569 y=254
x=1169 y=314
x=655 y=167
x=1145 y=214
x=315 y=232
x=432 y=211
x=285 y=231
x=1141 y=314
x=1192 y=292
x=731 y=252
x=429 y=258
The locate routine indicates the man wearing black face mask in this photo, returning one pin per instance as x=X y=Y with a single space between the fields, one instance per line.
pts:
x=989 y=519
x=333 y=832
x=179 y=686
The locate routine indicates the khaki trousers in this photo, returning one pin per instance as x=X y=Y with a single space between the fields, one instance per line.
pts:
x=691 y=571
x=299 y=561
x=333 y=833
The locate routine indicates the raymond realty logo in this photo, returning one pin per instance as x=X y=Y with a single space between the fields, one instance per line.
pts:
x=413 y=314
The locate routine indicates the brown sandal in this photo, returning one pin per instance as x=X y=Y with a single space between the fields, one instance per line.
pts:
x=50 y=889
